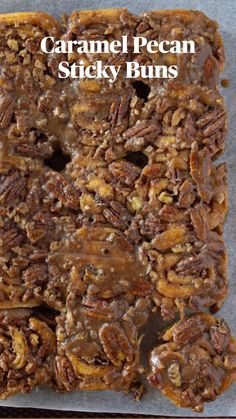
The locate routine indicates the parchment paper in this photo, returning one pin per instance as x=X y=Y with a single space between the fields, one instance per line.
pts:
x=224 y=11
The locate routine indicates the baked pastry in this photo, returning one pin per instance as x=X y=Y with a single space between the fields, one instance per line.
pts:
x=108 y=301
x=27 y=143
x=111 y=204
x=203 y=66
x=28 y=347
x=196 y=362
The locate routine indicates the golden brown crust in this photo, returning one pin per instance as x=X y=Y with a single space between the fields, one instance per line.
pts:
x=27 y=351
x=205 y=65
x=40 y=19
x=101 y=16
x=111 y=204
x=197 y=362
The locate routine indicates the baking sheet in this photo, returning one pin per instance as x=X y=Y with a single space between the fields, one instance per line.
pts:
x=153 y=402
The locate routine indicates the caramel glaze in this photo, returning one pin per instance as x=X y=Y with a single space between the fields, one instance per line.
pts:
x=133 y=223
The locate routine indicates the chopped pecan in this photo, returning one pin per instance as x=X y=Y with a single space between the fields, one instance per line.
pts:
x=142 y=288
x=6 y=110
x=117 y=215
x=208 y=374
x=156 y=380
x=194 y=265
x=174 y=374
x=177 y=116
x=53 y=62
x=35 y=232
x=216 y=243
x=220 y=336
x=115 y=344
x=153 y=171
x=117 y=59
x=200 y=169
x=65 y=374
x=172 y=214
x=35 y=275
x=128 y=20
x=140 y=312
x=187 y=132
x=59 y=187
x=142 y=27
x=38 y=255
x=125 y=172
x=199 y=219
x=42 y=151
x=150 y=226
x=133 y=231
x=119 y=110
x=186 y=194
x=11 y=188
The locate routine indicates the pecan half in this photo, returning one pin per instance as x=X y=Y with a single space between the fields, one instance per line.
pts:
x=117 y=215
x=188 y=330
x=11 y=188
x=115 y=344
x=6 y=110
x=98 y=309
x=140 y=134
x=174 y=374
x=125 y=172
x=35 y=275
x=200 y=169
x=212 y=121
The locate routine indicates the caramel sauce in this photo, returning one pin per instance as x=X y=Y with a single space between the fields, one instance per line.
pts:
x=105 y=252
